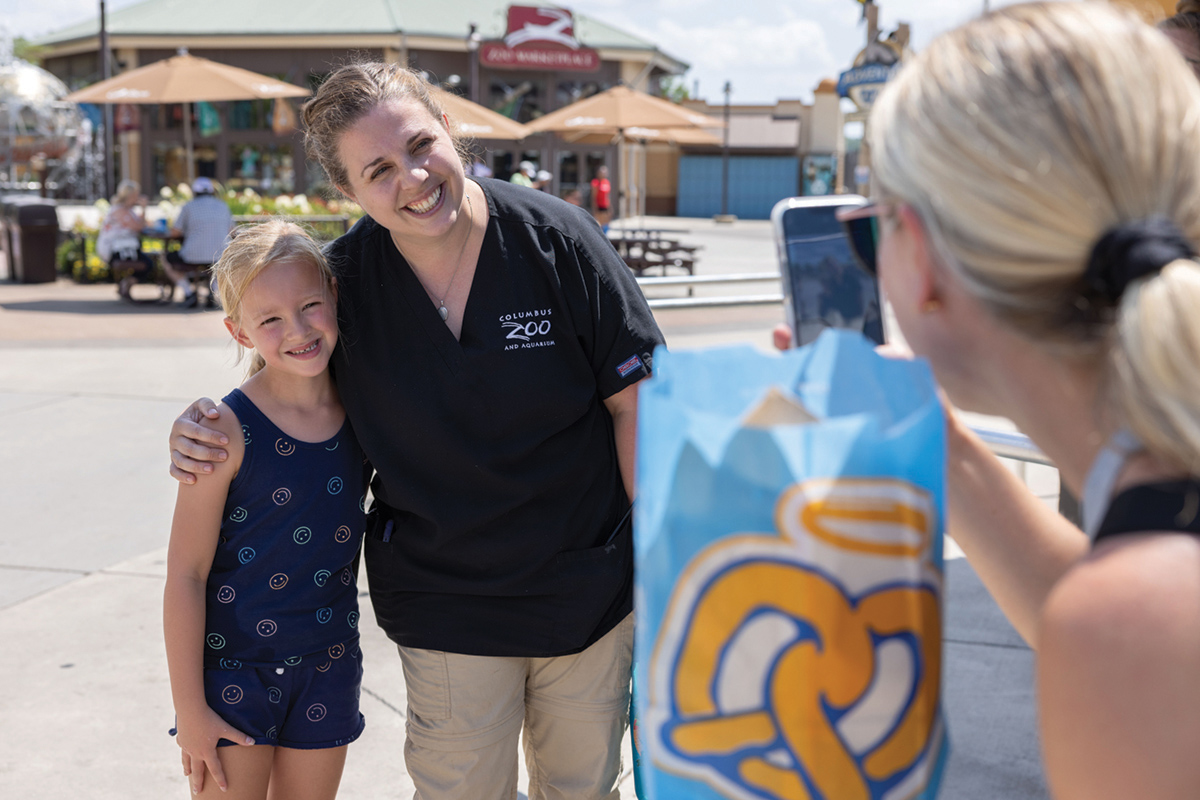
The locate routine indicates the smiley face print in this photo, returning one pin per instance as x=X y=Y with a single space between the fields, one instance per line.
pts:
x=302 y=535
x=232 y=695
x=266 y=628
x=321 y=577
x=342 y=534
x=293 y=661
x=281 y=496
x=284 y=447
x=337 y=651
x=278 y=581
x=239 y=514
x=226 y=594
x=324 y=615
x=334 y=485
x=246 y=555
x=246 y=434
x=352 y=618
x=230 y=663
x=316 y=712
x=274 y=695
x=215 y=640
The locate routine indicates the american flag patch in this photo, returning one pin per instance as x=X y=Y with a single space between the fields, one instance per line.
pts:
x=629 y=366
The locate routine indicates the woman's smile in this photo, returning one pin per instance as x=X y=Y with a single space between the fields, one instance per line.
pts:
x=427 y=204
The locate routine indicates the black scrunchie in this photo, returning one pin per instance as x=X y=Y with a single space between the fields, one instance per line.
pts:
x=1130 y=251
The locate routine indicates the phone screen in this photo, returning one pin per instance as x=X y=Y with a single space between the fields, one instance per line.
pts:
x=824 y=285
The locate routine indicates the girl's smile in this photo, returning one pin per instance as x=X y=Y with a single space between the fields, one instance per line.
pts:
x=289 y=317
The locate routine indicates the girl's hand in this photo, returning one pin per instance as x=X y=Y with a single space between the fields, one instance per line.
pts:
x=190 y=455
x=198 y=741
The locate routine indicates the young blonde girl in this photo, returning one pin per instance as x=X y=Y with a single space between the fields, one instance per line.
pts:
x=260 y=610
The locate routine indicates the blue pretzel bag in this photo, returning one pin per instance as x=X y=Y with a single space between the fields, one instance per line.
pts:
x=788 y=551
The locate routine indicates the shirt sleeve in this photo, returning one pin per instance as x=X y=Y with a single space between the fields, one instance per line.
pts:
x=623 y=331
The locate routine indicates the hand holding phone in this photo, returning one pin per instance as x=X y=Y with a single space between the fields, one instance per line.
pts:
x=823 y=285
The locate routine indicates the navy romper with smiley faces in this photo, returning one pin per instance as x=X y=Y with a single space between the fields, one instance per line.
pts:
x=281 y=655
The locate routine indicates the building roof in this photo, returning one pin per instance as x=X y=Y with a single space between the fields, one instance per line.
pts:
x=187 y=18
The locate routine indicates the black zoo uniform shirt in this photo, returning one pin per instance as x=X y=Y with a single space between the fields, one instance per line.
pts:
x=498 y=490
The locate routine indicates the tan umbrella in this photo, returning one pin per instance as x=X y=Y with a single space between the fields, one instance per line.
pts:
x=616 y=110
x=474 y=121
x=624 y=114
x=696 y=136
x=185 y=79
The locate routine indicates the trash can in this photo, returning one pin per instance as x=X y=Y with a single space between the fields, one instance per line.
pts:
x=6 y=246
x=33 y=228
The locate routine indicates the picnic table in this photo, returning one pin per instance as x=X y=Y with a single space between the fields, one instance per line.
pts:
x=643 y=249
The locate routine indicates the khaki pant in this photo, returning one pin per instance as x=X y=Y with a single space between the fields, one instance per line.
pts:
x=465 y=715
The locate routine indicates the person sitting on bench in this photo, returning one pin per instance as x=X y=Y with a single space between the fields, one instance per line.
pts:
x=205 y=224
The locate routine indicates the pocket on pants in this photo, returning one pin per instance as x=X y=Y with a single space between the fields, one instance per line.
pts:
x=426 y=682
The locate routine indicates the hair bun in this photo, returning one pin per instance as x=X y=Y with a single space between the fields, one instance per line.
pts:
x=1187 y=7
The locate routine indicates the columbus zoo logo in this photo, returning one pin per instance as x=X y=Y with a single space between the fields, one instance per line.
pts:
x=527 y=329
x=806 y=663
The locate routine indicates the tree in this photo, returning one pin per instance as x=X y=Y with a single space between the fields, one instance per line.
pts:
x=28 y=51
x=674 y=89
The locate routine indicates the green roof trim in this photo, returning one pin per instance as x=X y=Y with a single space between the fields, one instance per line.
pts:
x=316 y=17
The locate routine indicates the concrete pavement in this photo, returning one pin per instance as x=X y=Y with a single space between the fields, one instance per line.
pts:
x=88 y=388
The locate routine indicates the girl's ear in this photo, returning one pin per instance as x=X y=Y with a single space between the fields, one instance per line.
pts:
x=236 y=332
x=333 y=287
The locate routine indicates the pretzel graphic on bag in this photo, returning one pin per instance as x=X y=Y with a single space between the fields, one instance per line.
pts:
x=782 y=682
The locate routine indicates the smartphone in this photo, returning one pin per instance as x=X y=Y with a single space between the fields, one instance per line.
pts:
x=823 y=286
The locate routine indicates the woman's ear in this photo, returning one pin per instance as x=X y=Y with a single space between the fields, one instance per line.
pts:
x=235 y=331
x=924 y=273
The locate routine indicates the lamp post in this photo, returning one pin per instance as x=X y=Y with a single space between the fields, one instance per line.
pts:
x=106 y=73
x=725 y=216
x=473 y=39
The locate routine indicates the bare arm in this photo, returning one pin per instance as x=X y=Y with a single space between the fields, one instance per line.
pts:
x=191 y=434
x=194 y=532
x=1019 y=546
x=623 y=407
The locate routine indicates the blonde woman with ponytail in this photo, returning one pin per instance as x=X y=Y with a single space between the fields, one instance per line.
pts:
x=260 y=611
x=1038 y=176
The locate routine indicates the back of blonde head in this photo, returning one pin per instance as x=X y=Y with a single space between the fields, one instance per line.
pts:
x=1024 y=136
x=252 y=250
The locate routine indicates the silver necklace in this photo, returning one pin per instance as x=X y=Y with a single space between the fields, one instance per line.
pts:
x=443 y=312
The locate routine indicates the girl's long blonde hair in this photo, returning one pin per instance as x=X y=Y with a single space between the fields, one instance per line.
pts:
x=252 y=250
x=1021 y=139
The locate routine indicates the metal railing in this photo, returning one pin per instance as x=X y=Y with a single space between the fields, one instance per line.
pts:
x=1005 y=444
x=1016 y=446
x=692 y=281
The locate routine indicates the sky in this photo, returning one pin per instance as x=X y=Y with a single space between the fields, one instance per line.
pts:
x=766 y=49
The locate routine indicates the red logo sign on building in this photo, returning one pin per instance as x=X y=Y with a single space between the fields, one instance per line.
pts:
x=539 y=39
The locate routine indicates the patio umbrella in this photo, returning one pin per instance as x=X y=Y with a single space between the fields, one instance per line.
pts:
x=616 y=110
x=475 y=121
x=185 y=79
x=626 y=115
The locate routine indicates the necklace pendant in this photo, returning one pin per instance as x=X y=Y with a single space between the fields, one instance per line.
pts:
x=442 y=312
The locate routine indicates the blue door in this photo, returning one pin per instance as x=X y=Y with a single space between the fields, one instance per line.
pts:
x=756 y=184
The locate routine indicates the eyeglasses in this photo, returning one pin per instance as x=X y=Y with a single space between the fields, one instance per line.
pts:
x=862 y=231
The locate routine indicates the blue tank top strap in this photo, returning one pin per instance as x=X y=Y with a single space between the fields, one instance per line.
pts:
x=1172 y=506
